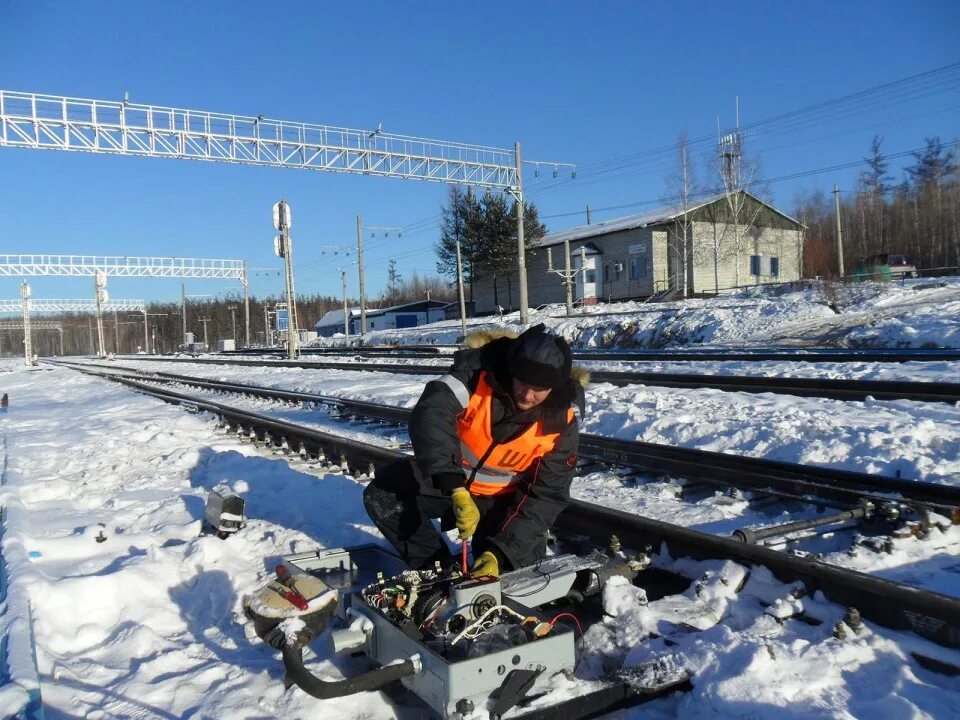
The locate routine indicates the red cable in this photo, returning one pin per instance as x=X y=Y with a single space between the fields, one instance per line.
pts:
x=569 y=615
x=463 y=556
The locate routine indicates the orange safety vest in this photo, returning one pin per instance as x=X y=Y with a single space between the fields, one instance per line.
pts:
x=492 y=469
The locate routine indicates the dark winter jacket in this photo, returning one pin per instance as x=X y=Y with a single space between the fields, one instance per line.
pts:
x=544 y=489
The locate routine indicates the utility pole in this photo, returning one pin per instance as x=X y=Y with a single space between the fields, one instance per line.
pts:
x=463 y=304
x=267 y=335
x=206 y=345
x=116 y=333
x=233 y=320
x=567 y=274
x=146 y=332
x=588 y=214
x=346 y=312
x=183 y=310
x=836 y=197
x=363 y=296
x=521 y=246
x=283 y=247
x=27 y=334
x=100 y=296
x=246 y=304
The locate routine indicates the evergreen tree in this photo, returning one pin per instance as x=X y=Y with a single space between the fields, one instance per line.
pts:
x=876 y=179
x=487 y=230
x=394 y=284
x=932 y=164
x=460 y=220
x=874 y=186
x=499 y=241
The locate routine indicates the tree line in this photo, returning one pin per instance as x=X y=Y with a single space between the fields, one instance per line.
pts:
x=124 y=332
x=919 y=215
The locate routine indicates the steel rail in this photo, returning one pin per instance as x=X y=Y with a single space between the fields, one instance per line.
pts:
x=804 y=387
x=843 y=487
x=886 y=602
x=838 y=355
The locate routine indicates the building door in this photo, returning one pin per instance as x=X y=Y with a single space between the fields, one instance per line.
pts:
x=406 y=320
x=586 y=287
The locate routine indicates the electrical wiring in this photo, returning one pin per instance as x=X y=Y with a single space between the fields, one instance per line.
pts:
x=481 y=624
x=569 y=615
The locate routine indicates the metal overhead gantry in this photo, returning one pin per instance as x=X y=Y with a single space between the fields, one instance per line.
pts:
x=10 y=306
x=72 y=305
x=34 y=325
x=51 y=122
x=130 y=266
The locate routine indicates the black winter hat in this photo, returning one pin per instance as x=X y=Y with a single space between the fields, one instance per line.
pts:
x=541 y=359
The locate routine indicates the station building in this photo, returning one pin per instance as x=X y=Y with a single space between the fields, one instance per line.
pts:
x=642 y=256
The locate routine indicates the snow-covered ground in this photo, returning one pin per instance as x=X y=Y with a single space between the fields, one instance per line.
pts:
x=135 y=614
x=914 y=313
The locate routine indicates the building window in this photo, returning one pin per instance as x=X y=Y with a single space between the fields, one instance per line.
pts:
x=638 y=268
x=761 y=266
x=591 y=275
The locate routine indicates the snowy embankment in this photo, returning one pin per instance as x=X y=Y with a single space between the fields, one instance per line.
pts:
x=137 y=615
x=919 y=313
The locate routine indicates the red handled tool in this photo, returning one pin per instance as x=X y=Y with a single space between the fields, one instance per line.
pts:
x=463 y=557
x=291 y=595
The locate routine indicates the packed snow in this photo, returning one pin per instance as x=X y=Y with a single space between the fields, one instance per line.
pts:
x=135 y=613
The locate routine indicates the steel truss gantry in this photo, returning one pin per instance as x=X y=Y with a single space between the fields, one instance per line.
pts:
x=122 y=266
x=57 y=306
x=34 y=324
x=54 y=122
x=28 y=327
x=131 y=266
x=103 y=126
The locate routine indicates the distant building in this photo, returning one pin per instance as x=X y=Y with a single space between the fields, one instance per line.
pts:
x=640 y=256
x=332 y=322
x=407 y=315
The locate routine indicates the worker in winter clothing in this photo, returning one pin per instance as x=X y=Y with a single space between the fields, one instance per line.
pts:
x=495 y=445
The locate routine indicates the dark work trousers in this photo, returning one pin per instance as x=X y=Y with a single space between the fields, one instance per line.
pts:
x=403 y=512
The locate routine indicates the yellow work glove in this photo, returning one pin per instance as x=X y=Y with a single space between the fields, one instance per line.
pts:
x=466 y=512
x=486 y=565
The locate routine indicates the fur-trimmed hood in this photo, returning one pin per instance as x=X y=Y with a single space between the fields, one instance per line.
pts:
x=480 y=338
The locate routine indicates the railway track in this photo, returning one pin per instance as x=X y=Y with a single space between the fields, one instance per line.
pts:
x=931 y=615
x=856 y=390
x=790 y=480
x=838 y=355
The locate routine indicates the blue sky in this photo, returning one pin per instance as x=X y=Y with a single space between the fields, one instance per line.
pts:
x=576 y=82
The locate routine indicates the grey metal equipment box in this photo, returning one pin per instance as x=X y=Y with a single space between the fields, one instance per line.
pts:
x=449 y=686
x=224 y=513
